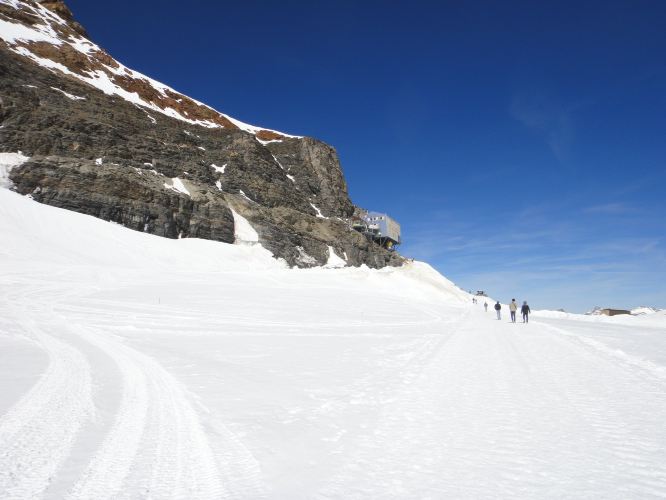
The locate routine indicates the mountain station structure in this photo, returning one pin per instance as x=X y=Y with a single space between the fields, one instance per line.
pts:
x=378 y=227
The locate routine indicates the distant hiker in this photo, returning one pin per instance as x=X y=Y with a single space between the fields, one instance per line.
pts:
x=525 y=310
x=513 y=307
x=485 y=306
x=498 y=308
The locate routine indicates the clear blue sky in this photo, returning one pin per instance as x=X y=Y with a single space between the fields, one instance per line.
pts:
x=521 y=145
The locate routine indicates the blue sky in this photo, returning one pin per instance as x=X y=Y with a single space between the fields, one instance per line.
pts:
x=521 y=145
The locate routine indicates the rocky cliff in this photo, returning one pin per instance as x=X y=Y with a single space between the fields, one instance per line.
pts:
x=109 y=142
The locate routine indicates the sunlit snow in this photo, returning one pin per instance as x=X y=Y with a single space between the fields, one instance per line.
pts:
x=136 y=366
x=177 y=185
x=69 y=96
x=243 y=230
x=319 y=214
x=7 y=162
x=334 y=260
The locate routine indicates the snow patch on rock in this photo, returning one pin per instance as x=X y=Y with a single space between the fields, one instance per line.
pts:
x=334 y=261
x=7 y=162
x=68 y=95
x=244 y=233
x=178 y=186
x=305 y=258
x=242 y=193
x=319 y=214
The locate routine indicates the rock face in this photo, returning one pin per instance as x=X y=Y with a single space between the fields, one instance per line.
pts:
x=109 y=142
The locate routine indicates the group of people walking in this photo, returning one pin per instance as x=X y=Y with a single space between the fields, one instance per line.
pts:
x=513 y=307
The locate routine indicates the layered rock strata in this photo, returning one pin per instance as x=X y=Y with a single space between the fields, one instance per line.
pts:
x=109 y=142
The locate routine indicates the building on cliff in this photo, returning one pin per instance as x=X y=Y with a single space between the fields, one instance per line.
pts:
x=99 y=138
x=379 y=228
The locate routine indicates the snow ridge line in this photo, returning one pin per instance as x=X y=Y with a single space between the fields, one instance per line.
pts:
x=37 y=433
x=651 y=369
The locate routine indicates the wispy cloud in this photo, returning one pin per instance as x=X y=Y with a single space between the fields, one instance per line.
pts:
x=559 y=262
x=549 y=118
x=610 y=209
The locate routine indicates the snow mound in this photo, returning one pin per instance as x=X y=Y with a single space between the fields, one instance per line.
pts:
x=643 y=310
x=33 y=231
x=334 y=261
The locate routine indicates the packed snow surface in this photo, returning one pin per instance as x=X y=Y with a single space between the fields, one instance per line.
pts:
x=133 y=366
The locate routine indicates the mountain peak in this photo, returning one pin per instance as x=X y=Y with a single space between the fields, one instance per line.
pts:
x=99 y=138
x=59 y=8
x=46 y=32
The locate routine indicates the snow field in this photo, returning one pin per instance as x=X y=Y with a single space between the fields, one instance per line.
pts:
x=155 y=368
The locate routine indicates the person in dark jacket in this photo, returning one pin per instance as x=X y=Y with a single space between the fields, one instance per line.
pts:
x=525 y=310
x=498 y=308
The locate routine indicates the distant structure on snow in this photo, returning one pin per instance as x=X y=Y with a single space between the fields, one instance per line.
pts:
x=613 y=312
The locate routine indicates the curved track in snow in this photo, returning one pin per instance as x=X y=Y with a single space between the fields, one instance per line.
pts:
x=155 y=447
x=156 y=436
x=37 y=433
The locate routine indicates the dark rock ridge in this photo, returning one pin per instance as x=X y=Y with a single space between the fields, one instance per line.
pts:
x=155 y=167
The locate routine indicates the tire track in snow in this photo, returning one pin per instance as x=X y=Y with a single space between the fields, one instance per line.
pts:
x=106 y=472
x=37 y=433
x=157 y=447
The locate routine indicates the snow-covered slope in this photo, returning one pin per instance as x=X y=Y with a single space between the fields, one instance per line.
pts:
x=133 y=366
x=41 y=35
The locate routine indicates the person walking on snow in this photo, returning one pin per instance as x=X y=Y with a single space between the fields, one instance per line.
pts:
x=498 y=308
x=485 y=306
x=525 y=310
x=513 y=307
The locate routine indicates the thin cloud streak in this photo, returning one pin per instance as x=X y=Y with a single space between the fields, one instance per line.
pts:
x=610 y=209
x=592 y=269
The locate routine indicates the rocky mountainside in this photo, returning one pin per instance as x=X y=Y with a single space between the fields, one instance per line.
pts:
x=107 y=141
